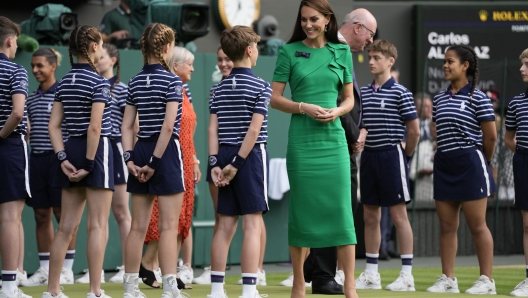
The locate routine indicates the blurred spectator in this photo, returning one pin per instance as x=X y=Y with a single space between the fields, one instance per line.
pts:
x=116 y=24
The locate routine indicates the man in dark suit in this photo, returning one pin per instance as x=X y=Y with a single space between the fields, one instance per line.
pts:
x=357 y=31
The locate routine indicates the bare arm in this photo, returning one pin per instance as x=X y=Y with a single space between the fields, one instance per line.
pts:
x=17 y=114
x=166 y=128
x=509 y=139
x=489 y=137
x=213 y=134
x=128 y=127
x=94 y=129
x=347 y=103
x=413 y=136
x=54 y=126
x=281 y=103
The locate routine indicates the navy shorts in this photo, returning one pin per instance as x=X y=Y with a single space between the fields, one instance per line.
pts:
x=384 y=176
x=168 y=178
x=102 y=175
x=462 y=175
x=14 y=169
x=120 y=168
x=248 y=192
x=42 y=172
x=520 y=178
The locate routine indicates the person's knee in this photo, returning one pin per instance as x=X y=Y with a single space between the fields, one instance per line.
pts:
x=372 y=218
x=68 y=229
x=121 y=214
x=42 y=216
x=400 y=219
x=477 y=228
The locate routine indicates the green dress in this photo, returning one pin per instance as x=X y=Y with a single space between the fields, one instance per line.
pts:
x=317 y=160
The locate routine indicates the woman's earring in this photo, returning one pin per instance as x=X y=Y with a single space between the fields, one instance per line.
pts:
x=326 y=28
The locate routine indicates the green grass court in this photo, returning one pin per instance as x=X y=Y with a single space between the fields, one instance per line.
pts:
x=506 y=278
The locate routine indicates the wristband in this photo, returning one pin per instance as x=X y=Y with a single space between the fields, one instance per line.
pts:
x=89 y=165
x=2 y=140
x=154 y=162
x=238 y=161
x=128 y=156
x=213 y=160
x=62 y=156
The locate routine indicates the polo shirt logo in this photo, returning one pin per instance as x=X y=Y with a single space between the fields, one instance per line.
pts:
x=148 y=81
x=24 y=84
x=106 y=92
x=50 y=105
x=383 y=103
x=179 y=90
x=463 y=106
x=73 y=79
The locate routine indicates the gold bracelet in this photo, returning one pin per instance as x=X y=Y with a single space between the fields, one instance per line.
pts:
x=300 y=109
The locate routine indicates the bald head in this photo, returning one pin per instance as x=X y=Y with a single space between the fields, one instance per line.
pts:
x=358 y=28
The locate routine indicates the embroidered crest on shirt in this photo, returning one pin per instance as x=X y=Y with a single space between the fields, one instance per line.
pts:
x=463 y=106
x=24 y=84
x=179 y=90
x=106 y=92
x=383 y=103
x=50 y=105
x=148 y=81
x=233 y=85
x=73 y=79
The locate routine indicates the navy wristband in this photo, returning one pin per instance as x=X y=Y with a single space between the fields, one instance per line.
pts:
x=128 y=156
x=238 y=162
x=62 y=156
x=154 y=162
x=89 y=165
x=213 y=160
x=2 y=140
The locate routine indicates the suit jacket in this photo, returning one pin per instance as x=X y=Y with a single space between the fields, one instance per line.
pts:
x=350 y=120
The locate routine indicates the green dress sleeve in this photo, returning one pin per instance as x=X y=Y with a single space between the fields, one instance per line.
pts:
x=282 y=67
x=347 y=77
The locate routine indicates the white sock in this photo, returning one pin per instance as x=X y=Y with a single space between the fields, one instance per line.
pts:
x=217 y=283
x=130 y=286
x=68 y=261
x=44 y=260
x=407 y=263
x=372 y=262
x=169 y=283
x=9 y=282
x=249 y=285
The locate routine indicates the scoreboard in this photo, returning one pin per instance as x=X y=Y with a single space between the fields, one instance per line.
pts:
x=498 y=33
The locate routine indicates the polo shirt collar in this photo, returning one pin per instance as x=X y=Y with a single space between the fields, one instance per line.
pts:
x=386 y=85
x=242 y=70
x=121 y=10
x=341 y=37
x=526 y=93
x=50 y=90
x=4 y=57
x=465 y=90
x=85 y=66
x=112 y=80
x=153 y=67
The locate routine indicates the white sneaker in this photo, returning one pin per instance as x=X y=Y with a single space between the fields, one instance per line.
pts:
x=85 y=279
x=20 y=276
x=340 y=277
x=157 y=274
x=223 y=295
x=483 y=286
x=38 y=278
x=186 y=273
x=18 y=294
x=92 y=295
x=66 y=277
x=444 y=285
x=404 y=282
x=521 y=290
x=132 y=282
x=288 y=282
x=48 y=295
x=261 y=278
x=368 y=280
x=205 y=278
x=174 y=292
x=118 y=278
x=257 y=295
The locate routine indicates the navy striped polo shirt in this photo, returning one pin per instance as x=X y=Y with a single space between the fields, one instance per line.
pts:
x=39 y=105
x=117 y=107
x=13 y=80
x=149 y=91
x=235 y=100
x=517 y=118
x=385 y=111
x=77 y=91
x=458 y=120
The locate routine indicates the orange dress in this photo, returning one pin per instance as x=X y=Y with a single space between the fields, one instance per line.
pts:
x=187 y=126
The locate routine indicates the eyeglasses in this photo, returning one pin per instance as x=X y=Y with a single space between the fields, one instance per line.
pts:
x=372 y=33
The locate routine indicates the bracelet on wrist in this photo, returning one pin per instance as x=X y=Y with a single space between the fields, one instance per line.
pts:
x=62 y=156
x=238 y=162
x=300 y=108
x=154 y=162
x=128 y=156
x=196 y=162
x=213 y=160
x=89 y=165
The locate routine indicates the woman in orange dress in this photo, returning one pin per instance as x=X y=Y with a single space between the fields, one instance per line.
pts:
x=181 y=64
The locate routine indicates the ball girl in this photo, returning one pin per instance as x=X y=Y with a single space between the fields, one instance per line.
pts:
x=82 y=100
x=14 y=169
x=46 y=199
x=155 y=163
x=110 y=60
x=466 y=134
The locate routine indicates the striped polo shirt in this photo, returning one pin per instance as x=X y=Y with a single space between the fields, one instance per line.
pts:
x=235 y=100
x=458 y=120
x=117 y=107
x=77 y=91
x=13 y=80
x=39 y=105
x=517 y=118
x=149 y=91
x=385 y=111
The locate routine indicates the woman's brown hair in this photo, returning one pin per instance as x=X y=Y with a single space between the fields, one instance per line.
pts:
x=80 y=40
x=325 y=9
x=113 y=52
x=154 y=38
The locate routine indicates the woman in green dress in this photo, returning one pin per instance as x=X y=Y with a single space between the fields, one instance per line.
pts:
x=318 y=67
